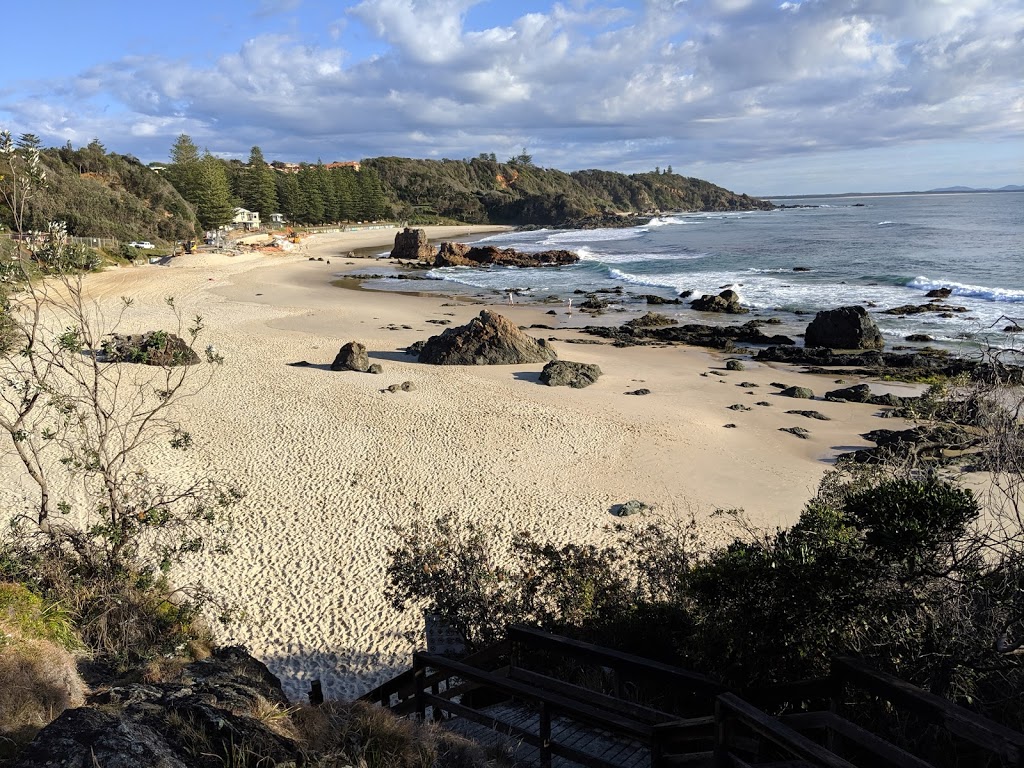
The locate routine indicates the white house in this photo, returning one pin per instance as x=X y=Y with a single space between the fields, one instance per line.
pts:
x=246 y=220
x=277 y=219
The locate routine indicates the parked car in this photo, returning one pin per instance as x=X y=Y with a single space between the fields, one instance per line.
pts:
x=144 y=245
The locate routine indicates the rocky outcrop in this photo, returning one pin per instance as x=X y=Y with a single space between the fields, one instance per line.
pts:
x=412 y=245
x=844 y=328
x=861 y=393
x=210 y=712
x=937 y=444
x=352 y=357
x=939 y=293
x=150 y=348
x=652 y=320
x=488 y=339
x=564 y=373
x=918 y=309
x=652 y=299
x=461 y=255
x=724 y=337
x=727 y=301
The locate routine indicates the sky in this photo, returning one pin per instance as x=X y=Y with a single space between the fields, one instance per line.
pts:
x=764 y=97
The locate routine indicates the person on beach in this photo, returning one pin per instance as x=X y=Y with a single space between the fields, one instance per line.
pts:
x=510 y=300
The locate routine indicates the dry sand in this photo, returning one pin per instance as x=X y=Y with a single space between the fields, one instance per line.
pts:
x=329 y=462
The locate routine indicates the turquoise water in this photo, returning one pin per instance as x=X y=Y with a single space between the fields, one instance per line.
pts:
x=885 y=251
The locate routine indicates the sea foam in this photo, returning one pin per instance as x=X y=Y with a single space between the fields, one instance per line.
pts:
x=970 y=291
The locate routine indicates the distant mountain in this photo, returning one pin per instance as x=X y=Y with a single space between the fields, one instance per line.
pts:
x=1007 y=188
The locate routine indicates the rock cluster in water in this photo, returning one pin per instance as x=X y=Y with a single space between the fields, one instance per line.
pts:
x=412 y=245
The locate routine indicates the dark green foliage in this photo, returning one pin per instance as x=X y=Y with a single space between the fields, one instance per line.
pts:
x=258 y=191
x=107 y=195
x=213 y=197
x=908 y=520
x=880 y=567
x=125 y=617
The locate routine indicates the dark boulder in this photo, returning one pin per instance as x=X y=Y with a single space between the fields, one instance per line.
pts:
x=727 y=301
x=564 y=373
x=209 y=712
x=150 y=348
x=800 y=392
x=412 y=245
x=858 y=393
x=488 y=339
x=652 y=299
x=352 y=357
x=844 y=328
x=939 y=293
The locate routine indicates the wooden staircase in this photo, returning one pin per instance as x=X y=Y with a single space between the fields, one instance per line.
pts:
x=552 y=701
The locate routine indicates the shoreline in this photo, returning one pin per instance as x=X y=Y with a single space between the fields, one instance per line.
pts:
x=330 y=461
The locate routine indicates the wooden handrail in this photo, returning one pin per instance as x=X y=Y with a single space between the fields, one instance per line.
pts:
x=536 y=638
x=563 y=704
x=972 y=727
x=403 y=683
x=728 y=706
x=881 y=749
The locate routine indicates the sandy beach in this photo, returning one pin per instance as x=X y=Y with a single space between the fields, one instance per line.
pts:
x=329 y=462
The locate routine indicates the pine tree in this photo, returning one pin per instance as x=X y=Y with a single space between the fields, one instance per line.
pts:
x=213 y=204
x=327 y=192
x=311 y=205
x=258 y=190
x=185 y=169
x=289 y=195
x=346 y=192
x=372 y=203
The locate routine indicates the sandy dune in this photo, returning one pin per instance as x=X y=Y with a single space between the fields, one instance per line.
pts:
x=329 y=462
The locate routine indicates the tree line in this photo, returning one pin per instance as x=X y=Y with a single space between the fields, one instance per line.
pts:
x=104 y=194
x=314 y=195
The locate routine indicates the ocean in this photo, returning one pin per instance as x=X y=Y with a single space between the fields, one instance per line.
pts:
x=879 y=251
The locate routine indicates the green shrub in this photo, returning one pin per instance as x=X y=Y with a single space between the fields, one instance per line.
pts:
x=38 y=673
x=31 y=618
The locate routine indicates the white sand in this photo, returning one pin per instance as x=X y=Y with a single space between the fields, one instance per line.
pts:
x=329 y=462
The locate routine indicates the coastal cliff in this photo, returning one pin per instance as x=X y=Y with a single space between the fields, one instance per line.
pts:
x=486 y=191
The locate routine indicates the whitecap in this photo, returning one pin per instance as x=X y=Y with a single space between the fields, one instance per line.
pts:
x=970 y=291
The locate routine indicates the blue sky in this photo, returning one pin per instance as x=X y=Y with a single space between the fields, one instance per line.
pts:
x=790 y=96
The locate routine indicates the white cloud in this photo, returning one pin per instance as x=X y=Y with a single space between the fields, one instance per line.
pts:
x=585 y=84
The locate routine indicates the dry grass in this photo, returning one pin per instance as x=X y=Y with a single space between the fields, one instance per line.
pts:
x=368 y=736
x=38 y=680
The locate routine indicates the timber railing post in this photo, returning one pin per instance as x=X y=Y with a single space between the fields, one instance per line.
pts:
x=545 y=735
x=836 y=693
x=721 y=735
x=419 y=681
